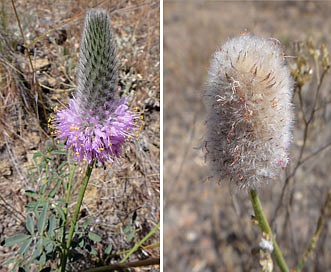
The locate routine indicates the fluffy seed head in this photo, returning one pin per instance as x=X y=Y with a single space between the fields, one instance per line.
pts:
x=96 y=122
x=248 y=99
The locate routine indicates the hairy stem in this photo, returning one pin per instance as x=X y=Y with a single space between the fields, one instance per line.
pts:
x=264 y=226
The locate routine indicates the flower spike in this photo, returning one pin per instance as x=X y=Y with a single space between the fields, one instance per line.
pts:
x=96 y=122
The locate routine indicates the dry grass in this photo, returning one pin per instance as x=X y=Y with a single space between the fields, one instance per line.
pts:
x=208 y=225
x=52 y=29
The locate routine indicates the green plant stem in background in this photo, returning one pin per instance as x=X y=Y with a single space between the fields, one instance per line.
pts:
x=75 y=216
x=264 y=226
x=66 y=213
x=72 y=172
x=325 y=213
x=137 y=245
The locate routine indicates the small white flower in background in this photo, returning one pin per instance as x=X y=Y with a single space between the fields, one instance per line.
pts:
x=248 y=99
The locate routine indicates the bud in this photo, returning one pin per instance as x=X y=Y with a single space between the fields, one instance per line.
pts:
x=248 y=99
x=96 y=122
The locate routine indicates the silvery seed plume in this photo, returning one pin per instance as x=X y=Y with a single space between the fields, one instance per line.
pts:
x=248 y=100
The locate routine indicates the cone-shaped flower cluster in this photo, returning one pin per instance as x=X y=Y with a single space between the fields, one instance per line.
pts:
x=248 y=99
x=96 y=122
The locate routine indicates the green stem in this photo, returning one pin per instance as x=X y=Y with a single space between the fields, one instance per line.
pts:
x=264 y=226
x=137 y=245
x=325 y=212
x=311 y=246
x=65 y=211
x=75 y=216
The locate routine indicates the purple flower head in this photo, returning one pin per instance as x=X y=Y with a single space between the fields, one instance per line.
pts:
x=96 y=122
x=89 y=136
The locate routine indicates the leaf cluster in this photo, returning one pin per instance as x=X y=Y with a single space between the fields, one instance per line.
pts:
x=42 y=243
